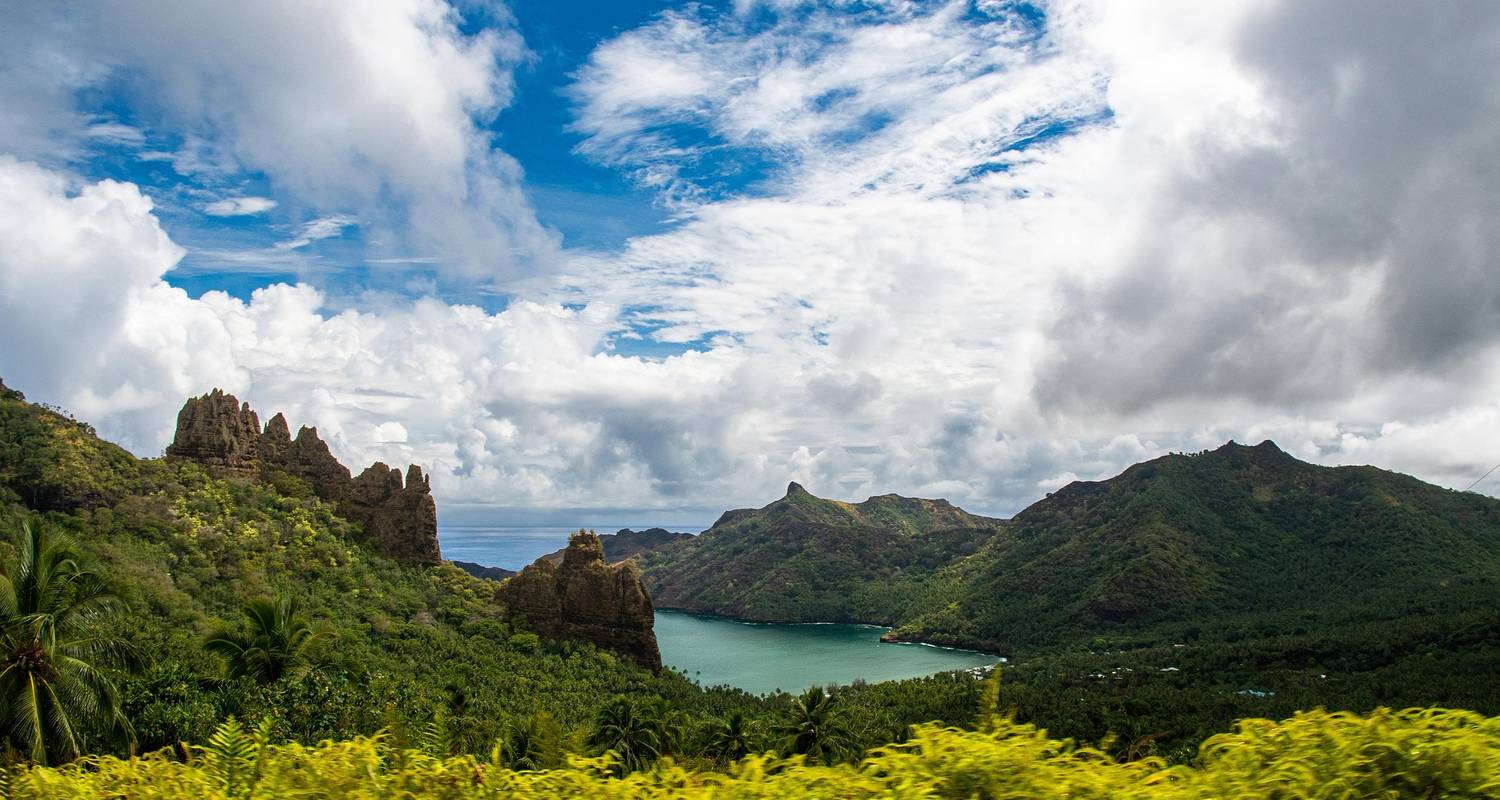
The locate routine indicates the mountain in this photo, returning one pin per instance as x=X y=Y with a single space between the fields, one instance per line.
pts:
x=1236 y=542
x=626 y=543
x=807 y=559
x=1237 y=537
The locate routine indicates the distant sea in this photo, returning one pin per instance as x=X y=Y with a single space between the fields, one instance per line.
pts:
x=515 y=546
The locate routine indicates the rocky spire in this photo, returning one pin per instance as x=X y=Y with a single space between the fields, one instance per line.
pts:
x=220 y=433
x=398 y=521
x=583 y=598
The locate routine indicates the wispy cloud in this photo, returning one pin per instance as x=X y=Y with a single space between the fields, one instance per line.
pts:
x=239 y=206
x=317 y=230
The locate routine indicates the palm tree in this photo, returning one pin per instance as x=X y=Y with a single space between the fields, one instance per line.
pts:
x=275 y=645
x=621 y=729
x=55 y=651
x=813 y=727
x=730 y=739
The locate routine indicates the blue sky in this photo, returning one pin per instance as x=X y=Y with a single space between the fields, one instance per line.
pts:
x=665 y=257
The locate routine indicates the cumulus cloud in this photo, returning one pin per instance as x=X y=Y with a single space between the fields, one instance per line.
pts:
x=981 y=257
x=239 y=206
x=371 y=108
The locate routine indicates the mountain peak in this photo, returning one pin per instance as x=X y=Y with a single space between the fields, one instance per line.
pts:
x=795 y=488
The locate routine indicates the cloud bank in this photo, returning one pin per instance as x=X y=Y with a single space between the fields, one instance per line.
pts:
x=956 y=250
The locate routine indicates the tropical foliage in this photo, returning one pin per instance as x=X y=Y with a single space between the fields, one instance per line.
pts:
x=1397 y=755
x=57 y=694
x=273 y=646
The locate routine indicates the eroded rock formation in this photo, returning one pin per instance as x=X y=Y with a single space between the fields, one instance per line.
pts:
x=388 y=511
x=581 y=597
x=399 y=519
x=220 y=433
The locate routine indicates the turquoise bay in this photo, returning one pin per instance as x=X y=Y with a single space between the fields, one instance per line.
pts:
x=764 y=657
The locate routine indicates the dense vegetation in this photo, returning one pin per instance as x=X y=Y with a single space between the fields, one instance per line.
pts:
x=254 y=599
x=807 y=559
x=1412 y=754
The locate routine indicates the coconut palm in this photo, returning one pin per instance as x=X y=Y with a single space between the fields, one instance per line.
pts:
x=56 y=652
x=621 y=729
x=813 y=727
x=274 y=646
x=730 y=739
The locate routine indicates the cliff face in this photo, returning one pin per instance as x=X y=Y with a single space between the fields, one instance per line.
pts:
x=220 y=433
x=388 y=511
x=581 y=597
x=399 y=518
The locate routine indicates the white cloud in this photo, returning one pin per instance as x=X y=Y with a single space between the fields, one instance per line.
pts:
x=239 y=206
x=372 y=108
x=1254 y=241
x=317 y=230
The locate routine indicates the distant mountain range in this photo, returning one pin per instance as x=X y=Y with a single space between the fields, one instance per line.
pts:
x=1238 y=541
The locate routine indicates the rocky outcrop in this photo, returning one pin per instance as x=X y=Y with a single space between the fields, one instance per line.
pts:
x=398 y=519
x=389 y=511
x=580 y=597
x=220 y=433
x=308 y=458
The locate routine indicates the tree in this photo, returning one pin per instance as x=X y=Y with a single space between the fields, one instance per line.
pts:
x=813 y=727
x=57 y=651
x=621 y=729
x=730 y=739
x=274 y=646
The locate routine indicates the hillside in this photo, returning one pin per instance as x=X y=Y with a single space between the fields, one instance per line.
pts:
x=1205 y=544
x=806 y=559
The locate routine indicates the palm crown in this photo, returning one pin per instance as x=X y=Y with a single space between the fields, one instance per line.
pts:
x=273 y=646
x=55 y=683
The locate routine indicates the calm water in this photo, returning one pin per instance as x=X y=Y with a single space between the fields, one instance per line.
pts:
x=760 y=657
x=505 y=546
x=515 y=546
x=756 y=657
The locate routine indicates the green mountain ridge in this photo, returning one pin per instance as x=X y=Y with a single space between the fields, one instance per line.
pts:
x=803 y=558
x=1231 y=537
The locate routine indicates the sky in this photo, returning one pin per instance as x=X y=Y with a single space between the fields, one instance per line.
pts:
x=657 y=259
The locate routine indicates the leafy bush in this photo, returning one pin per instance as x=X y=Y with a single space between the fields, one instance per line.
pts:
x=1410 y=754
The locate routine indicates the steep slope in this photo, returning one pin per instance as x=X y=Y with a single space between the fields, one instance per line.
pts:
x=1245 y=539
x=804 y=558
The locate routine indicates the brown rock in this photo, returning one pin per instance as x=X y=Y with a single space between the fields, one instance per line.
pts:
x=308 y=458
x=399 y=521
x=583 y=598
x=218 y=432
x=276 y=441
